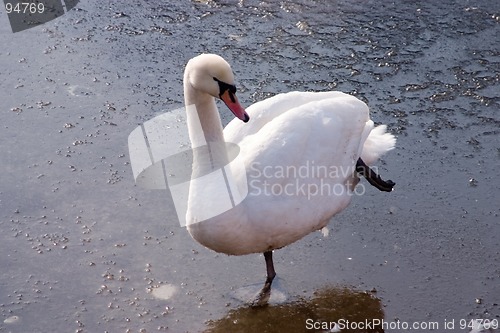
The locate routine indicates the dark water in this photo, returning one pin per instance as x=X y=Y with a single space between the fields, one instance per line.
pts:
x=85 y=250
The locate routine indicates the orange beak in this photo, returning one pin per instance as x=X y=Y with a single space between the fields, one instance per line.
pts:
x=232 y=103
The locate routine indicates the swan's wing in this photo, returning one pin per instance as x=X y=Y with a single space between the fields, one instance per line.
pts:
x=263 y=112
x=325 y=136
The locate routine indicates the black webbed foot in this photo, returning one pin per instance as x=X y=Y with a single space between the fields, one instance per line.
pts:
x=373 y=178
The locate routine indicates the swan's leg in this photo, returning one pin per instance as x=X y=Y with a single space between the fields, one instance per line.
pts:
x=257 y=295
x=265 y=293
x=373 y=178
x=271 y=273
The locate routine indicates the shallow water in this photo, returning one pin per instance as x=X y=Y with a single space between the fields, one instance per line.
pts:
x=85 y=250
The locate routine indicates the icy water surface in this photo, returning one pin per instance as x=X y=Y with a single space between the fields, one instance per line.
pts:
x=85 y=250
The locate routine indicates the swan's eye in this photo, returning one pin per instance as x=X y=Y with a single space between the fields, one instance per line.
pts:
x=223 y=86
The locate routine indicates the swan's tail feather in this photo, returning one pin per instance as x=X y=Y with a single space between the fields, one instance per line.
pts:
x=377 y=144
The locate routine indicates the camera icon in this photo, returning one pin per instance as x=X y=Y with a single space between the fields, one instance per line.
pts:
x=162 y=157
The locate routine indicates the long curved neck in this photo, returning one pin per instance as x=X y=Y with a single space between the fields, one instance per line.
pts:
x=213 y=195
x=205 y=132
x=203 y=120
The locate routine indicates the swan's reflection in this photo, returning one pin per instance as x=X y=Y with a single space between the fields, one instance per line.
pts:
x=328 y=306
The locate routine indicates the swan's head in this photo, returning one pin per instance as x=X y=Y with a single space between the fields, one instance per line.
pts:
x=211 y=74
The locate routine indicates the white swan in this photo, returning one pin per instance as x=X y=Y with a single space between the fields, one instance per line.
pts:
x=327 y=135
